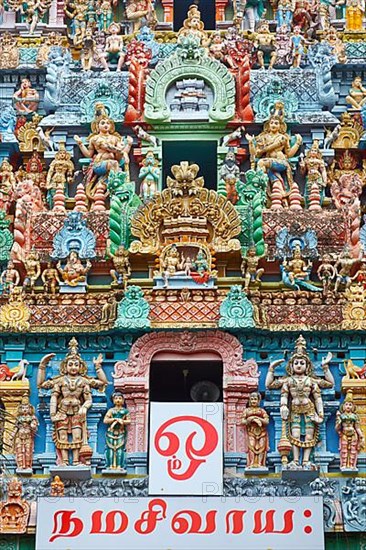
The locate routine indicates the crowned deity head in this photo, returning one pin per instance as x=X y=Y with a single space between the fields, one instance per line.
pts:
x=348 y=406
x=73 y=364
x=300 y=362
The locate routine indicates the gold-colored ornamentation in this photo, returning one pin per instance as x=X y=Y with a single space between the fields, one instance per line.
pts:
x=186 y=212
x=9 y=52
x=57 y=487
x=28 y=137
x=350 y=133
x=15 y=315
x=354 y=311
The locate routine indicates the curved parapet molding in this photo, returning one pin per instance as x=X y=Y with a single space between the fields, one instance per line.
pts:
x=178 y=67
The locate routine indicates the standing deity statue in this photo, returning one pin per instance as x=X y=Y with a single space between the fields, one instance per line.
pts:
x=255 y=420
x=351 y=439
x=355 y=12
x=314 y=169
x=7 y=185
x=139 y=10
x=33 y=270
x=229 y=175
x=71 y=398
x=10 y=278
x=250 y=270
x=108 y=151
x=117 y=419
x=122 y=268
x=149 y=174
x=50 y=279
x=272 y=150
x=285 y=12
x=25 y=430
x=301 y=404
x=60 y=172
x=78 y=13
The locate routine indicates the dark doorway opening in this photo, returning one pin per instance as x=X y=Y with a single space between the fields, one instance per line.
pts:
x=172 y=381
x=203 y=153
x=206 y=7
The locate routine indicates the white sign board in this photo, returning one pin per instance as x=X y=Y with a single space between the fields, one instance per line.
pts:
x=186 y=451
x=180 y=523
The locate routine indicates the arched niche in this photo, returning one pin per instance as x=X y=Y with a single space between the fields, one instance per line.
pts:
x=240 y=378
x=177 y=68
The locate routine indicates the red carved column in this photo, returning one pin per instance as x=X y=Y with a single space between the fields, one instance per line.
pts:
x=168 y=7
x=138 y=58
x=239 y=379
x=220 y=9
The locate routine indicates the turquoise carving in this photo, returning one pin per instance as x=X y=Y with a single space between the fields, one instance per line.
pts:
x=133 y=310
x=236 y=311
x=74 y=235
x=113 y=100
x=252 y=199
x=124 y=203
x=189 y=60
x=6 y=238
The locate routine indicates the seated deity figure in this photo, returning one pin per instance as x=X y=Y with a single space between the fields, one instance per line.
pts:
x=301 y=405
x=296 y=272
x=357 y=94
x=272 y=150
x=74 y=272
x=71 y=398
x=26 y=99
x=108 y=151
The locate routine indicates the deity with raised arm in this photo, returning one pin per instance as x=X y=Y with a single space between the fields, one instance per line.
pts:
x=272 y=150
x=71 y=398
x=301 y=406
x=107 y=149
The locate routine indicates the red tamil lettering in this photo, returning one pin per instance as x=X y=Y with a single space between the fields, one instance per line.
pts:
x=148 y=519
x=211 y=439
x=235 y=521
x=110 y=523
x=64 y=525
x=193 y=524
x=268 y=526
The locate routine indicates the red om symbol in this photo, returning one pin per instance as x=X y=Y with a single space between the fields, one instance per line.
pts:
x=209 y=445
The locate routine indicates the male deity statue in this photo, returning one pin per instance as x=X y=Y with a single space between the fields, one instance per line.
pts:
x=71 y=398
x=301 y=403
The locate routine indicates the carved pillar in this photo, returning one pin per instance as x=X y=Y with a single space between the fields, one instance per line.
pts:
x=168 y=7
x=11 y=394
x=236 y=394
x=220 y=10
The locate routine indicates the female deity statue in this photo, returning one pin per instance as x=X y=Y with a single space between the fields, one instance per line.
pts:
x=71 y=398
x=357 y=94
x=301 y=403
x=108 y=150
x=24 y=433
x=351 y=439
x=26 y=99
x=272 y=151
x=314 y=168
x=117 y=418
x=255 y=420
x=60 y=172
x=74 y=272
